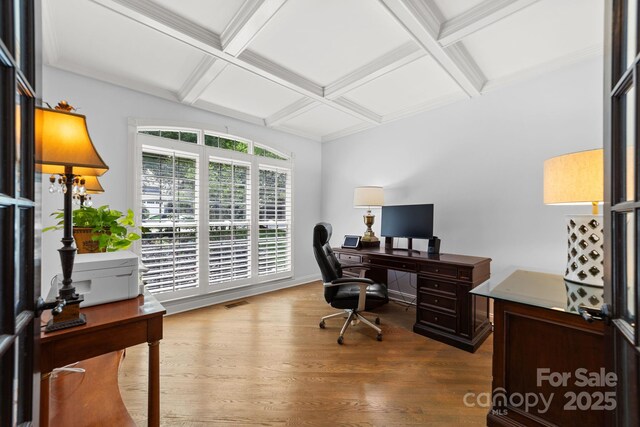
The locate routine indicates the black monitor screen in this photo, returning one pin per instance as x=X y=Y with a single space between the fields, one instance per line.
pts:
x=415 y=221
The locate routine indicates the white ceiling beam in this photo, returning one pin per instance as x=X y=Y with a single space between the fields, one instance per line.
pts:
x=247 y=23
x=478 y=17
x=397 y=58
x=422 y=22
x=160 y=19
x=351 y=105
x=201 y=77
x=229 y=112
x=290 y=111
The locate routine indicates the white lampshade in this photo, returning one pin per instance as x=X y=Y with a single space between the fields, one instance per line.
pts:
x=366 y=197
x=575 y=178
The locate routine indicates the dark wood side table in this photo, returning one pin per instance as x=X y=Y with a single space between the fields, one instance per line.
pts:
x=543 y=349
x=110 y=327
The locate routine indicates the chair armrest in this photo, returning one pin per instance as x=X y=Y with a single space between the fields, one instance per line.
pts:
x=362 y=282
x=360 y=266
x=354 y=280
x=363 y=268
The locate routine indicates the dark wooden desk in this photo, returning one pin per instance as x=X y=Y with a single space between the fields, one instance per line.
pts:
x=445 y=311
x=110 y=327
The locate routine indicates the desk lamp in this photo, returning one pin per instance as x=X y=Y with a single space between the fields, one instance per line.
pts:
x=368 y=197
x=64 y=148
x=578 y=179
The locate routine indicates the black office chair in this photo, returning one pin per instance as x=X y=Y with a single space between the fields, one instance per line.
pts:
x=354 y=295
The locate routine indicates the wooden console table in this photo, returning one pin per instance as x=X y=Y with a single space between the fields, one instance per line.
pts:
x=445 y=311
x=539 y=336
x=110 y=327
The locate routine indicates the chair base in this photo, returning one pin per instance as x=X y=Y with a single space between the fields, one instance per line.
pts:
x=353 y=316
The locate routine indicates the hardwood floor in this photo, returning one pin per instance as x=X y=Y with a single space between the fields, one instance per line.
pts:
x=268 y=363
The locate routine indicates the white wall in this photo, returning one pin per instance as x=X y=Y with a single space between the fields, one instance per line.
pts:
x=480 y=162
x=108 y=108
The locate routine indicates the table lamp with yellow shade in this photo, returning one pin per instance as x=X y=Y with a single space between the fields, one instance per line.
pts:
x=578 y=179
x=64 y=148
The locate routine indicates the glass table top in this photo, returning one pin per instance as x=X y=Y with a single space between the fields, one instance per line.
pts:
x=540 y=289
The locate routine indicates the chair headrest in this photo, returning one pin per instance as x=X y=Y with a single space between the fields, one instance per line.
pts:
x=322 y=233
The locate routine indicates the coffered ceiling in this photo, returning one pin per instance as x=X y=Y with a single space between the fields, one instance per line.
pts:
x=321 y=69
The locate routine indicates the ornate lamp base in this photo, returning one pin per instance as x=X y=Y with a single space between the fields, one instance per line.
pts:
x=585 y=251
x=69 y=317
x=369 y=235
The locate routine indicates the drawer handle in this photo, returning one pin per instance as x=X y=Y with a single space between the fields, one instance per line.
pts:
x=435 y=318
x=436 y=300
x=404 y=265
x=435 y=285
x=437 y=270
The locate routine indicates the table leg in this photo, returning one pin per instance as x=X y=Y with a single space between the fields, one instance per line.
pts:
x=153 y=409
x=44 y=399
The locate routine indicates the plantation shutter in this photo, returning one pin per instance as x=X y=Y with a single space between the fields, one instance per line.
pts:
x=274 y=222
x=169 y=203
x=229 y=221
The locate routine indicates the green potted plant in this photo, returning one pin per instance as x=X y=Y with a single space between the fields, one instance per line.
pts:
x=99 y=229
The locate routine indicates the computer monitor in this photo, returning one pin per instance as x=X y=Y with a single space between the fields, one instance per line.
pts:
x=411 y=221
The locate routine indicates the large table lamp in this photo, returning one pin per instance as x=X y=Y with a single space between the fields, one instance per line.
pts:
x=578 y=179
x=368 y=197
x=64 y=148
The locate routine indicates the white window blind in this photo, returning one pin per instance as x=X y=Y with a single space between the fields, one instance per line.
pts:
x=274 y=222
x=169 y=204
x=229 y=221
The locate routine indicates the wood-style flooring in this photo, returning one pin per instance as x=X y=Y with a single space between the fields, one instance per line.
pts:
x=268 y=363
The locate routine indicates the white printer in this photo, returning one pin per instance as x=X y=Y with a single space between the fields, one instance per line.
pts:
x=103 y=277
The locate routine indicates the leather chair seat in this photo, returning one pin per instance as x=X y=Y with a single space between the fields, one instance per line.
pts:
x=347 y=297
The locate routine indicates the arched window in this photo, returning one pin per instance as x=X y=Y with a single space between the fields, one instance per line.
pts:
x=215 y=210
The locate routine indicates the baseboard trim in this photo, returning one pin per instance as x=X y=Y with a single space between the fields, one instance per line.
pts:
x=201 y=301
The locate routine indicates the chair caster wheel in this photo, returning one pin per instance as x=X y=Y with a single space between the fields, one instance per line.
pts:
x=340 y=340
x=321 y=325
x=377 y=320
x=379 y=337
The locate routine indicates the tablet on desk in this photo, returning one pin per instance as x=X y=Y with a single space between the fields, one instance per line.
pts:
x=351 y=242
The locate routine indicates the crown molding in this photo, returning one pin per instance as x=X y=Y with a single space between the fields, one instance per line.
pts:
x=202 y=76
x=418 y=19
x=392 y=60
x=549 y=66
x=346 y=132
x=364 y=112
x=247 y=23
x=135 y=85
x=50 y=44
x=152 y=14
x=478 y=17
x=287 y=113
x=229 y=112
x=425 y=106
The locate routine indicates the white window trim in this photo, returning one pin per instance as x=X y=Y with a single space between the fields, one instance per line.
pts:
x=206 y=152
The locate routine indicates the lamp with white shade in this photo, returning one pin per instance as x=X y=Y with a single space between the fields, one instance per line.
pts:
x=368 y=197
x=578 y=179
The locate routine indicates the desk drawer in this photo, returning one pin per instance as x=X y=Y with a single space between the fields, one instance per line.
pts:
x=353 y=259
x=437 y=319
x=441 y=270
x=438 y=286
x=430 y=300
x=391 y=264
